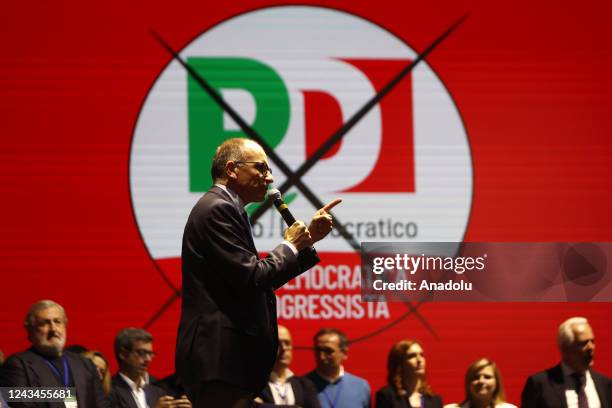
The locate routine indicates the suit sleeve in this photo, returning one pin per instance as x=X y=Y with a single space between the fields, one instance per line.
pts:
x=14 y=374
x=97 y=396
x=382 y=400
x=311 y=397
x=529 y=396
x=435 y=401
x=217 y=234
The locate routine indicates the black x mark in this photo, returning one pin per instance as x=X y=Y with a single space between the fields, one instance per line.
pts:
x=357 y=116
x=294 y=178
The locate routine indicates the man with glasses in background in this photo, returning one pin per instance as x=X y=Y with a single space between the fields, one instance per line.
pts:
x=227 y=338
x=131 y=386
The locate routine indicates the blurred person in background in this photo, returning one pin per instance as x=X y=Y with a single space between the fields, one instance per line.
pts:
x=483 y=387
x=47 y=364
x=102 y=366
x=336 y=387
x=131 y=386
x=571 y=383
x=284 y=387
x=406 y=381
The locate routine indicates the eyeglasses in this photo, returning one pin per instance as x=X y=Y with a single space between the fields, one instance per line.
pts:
x=144 y=353
x=260 y=166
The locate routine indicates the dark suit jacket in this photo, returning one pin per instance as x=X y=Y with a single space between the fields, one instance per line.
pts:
x=29 y=369
x=387 y=398
x=547 y=389
x=304 y=391
x=227 y=330
x=121 y=394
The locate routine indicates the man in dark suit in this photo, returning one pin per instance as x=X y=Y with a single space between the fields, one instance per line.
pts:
x=284 y=388
x=131 y=386
x=227 y=338
x=572 y=383
x=46 y=364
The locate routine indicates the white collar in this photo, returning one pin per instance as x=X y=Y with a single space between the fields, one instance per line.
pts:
x=235 y=198
x=568 y=371
x=132 y=384
x=275 y=379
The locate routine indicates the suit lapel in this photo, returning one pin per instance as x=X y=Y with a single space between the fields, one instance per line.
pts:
x=600 y=386
x=247 y=225
x=241 y=215
x=78 y=376
x=558 y=384
x=298 y=393
x=267 y=394
x=125 y=393
x=148 y=396
x=40 y=370
x=41 y=375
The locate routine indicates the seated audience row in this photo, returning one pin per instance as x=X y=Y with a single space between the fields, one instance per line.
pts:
x=48 y=363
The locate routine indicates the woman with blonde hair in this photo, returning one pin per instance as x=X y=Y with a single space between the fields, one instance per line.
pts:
x=101 y=364
x=483 y=387
x=406 y=383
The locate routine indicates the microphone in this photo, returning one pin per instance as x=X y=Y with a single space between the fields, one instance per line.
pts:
x=281 y=206
x=283 y=209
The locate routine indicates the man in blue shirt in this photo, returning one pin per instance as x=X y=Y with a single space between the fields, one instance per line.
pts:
x=336 y=387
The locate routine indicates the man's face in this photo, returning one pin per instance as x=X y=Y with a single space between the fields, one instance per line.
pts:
x=285 y=347
x=250 y=176
x=136 y=361
x=579 y=355
x=328 y=354
x=48 y=333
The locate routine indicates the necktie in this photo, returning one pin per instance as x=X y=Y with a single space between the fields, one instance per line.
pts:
x=580 y=382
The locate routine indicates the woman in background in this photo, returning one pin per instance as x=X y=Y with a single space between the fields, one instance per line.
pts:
x=483 y=387
x=101 y=364
x=406 y=383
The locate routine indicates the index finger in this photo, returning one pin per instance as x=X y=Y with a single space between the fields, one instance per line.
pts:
x=331 y=204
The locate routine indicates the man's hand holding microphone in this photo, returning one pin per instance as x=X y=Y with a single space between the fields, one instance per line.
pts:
x=298 y=234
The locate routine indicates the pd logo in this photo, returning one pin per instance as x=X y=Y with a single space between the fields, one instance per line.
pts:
x=297 y=74
x=264 y=89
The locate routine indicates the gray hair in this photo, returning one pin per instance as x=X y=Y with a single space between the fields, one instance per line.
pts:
x=126 y=338
x=231 y=149
x=565 y=336
x=30 y=319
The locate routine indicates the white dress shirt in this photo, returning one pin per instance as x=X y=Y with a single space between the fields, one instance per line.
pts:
x=282 y=392
x=138 y=389
x=571 y=397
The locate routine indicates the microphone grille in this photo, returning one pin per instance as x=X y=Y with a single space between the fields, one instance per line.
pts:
x=273 y=194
